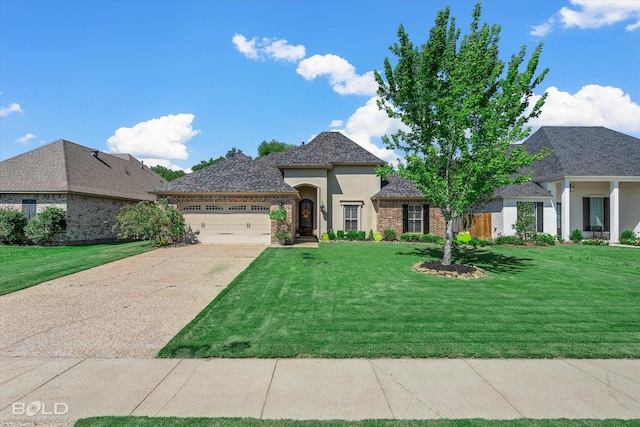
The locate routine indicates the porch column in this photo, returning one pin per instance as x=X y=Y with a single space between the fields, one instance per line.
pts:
x=566 y=210
x=319 y=211
x=614 y=211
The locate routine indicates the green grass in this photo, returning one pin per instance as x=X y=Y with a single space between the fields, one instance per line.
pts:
x=252 y=422
x=25 y=266
x=364 y=300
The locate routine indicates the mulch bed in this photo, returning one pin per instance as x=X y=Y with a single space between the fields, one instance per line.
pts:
x=460 y=271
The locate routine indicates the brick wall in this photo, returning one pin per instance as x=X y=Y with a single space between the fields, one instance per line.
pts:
x=390 y=216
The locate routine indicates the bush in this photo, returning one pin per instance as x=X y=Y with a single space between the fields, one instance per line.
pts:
x=377 y=237
x=157 y=222
x=596 y=242
x=632 y=242
x=410 y=237
x=47 y=226
x=340 y=235
x=332 y=235
x=508 y=240
x=479 y=242
x=628 y=235
x=12 y=223
x=389 y=235
x=464 y=237
x=325 y=236
x=576 y=235
x=432 y=238
x=352 y=235
x=362 y=235
x=370 y=234
x=543 y=239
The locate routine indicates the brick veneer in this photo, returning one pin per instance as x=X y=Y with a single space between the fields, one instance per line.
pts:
x=390 y=216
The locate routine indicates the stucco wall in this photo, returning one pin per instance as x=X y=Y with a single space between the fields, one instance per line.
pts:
x=630 y=206
x=352 y=185
x=510 y=215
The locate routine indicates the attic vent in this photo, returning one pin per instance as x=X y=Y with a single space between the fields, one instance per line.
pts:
x=94 y=153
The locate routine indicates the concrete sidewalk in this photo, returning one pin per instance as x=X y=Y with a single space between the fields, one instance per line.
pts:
x=59 y=390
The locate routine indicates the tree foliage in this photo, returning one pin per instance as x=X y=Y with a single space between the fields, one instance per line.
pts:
x=168 y=174
x=12 y=223
x=47 y=226
x=158 y=222
x=273 y=146
x=462 y=107
x=204 y=163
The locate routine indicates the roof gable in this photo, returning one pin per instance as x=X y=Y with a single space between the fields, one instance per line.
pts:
x=64 y=166
x=397 y=187
x=584 y=151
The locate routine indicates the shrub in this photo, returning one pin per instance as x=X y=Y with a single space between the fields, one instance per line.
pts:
x=361 y=235
x=340 y=235
x=389 y=235
x=464 y=237
x=325 y=236
x=12 y=223
x=370 y=235
x=352 y=235
x=595 y=242
x=576 y=235
x=332 y=235
x=479 y=242
x=628 y=235
x=47 y=226
x=410 y=237
x=156 y=222
x=632 y=242
x=509 y=240
x=377 y=237
x=432 y=238
x=543 y=239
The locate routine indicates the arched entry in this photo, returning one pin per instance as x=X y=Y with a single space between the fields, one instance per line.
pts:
x=305 y=217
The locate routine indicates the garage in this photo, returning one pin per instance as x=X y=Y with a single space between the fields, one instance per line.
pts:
x=228 y=223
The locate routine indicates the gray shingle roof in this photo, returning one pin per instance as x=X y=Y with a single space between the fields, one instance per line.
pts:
x=237 y=174
x=66 y=167
x=527 y=189
x=398 y=187
x=584 y=151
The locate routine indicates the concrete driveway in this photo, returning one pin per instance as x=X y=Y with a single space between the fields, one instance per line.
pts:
x=127 y=308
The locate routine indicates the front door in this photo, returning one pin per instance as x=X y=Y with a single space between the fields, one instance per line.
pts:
x=305 y=214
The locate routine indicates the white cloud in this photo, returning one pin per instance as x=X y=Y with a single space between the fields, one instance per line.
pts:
x=13 y=108
x=278 y=49
x=161 y=138
x=25 y=139
x=592 y=14
x=165 y=163
x=336 y=123
x=593 y=105
x=369 y=122
x=342 y=75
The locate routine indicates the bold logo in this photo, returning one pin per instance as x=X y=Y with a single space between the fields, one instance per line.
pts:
x=38 y=407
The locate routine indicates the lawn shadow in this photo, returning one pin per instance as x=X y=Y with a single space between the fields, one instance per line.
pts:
x=483 y=258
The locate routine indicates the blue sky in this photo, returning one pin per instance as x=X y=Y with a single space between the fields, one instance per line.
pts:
x=177 y=82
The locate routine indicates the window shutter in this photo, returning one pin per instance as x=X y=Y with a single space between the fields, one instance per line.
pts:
x=586 y=213
x=607 y=216
x=425 y=219
x=405 y=218
x=540 y=217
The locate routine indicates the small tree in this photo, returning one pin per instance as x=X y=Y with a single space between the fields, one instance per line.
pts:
x=273 y=146
x=47 y=226
x=461 y=113
x=525 y=225
x=12 y=223
x=158 y=222
x=282 y=227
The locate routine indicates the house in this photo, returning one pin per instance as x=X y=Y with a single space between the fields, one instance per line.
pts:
x=590 y=181
x=89 y=185
x=329 y=183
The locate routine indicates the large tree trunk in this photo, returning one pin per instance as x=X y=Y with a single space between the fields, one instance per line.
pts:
x=448 y=237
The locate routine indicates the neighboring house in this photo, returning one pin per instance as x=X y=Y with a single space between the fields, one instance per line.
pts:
x=89 y=185
x=329 y=183
x=590 y=181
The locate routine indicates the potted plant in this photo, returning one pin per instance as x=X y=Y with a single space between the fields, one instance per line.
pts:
x=282 y=228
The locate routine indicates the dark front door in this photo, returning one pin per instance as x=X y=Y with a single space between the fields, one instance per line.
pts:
x=305 y=214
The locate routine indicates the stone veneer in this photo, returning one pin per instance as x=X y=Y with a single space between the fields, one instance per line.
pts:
x=390 y=216
x=275 y=201
x=90 y=219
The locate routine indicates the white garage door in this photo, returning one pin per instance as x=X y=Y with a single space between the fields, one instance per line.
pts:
x=238 y=223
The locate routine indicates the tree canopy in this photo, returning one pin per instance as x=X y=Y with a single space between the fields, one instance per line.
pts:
x=168 y=174
x=204 y=163
x=462 y=107
x=273 y=146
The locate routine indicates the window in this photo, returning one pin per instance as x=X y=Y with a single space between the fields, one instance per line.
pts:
x=237 y=208
x=595 y=214
x=415 y=219
x=559 y=219
x=191 y=208
x=214 y=208
x=29 y=208
x=350 y=218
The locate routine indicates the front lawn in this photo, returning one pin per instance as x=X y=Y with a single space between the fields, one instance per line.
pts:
x=364 y=300
x=25 y=266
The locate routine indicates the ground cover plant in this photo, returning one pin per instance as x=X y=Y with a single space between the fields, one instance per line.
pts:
x=25 y=266
x=364 y=300
x=252 y=422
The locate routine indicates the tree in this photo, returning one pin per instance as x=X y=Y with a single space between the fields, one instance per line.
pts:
x=158 y=222
x=166 y=173
x=204 y=163
x=461 y=112
x=47 y=227
x=273 y=146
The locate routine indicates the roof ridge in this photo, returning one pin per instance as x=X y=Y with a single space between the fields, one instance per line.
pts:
x=67 y=174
